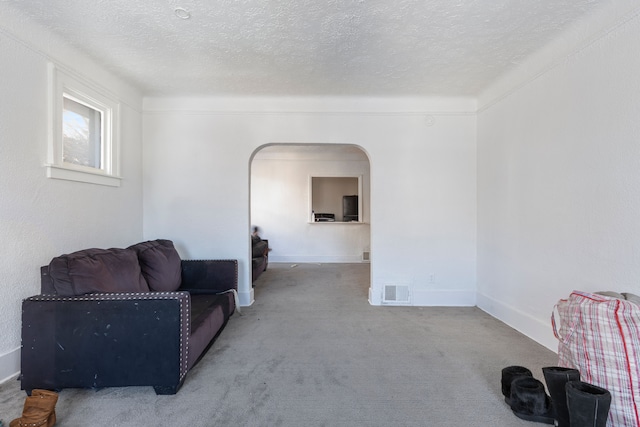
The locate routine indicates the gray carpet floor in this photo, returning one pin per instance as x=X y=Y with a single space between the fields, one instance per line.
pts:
x=311 y=351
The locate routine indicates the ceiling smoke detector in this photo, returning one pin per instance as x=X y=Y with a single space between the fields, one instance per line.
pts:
x=182 y=13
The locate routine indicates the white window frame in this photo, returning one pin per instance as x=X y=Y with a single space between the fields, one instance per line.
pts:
x=62 y=84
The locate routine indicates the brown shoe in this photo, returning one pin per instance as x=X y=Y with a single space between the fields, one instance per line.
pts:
x=52 y=397
x=39 y=410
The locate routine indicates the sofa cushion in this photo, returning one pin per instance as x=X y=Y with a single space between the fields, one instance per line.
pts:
x=209 y=314
x=97 y=270
x=259 y=249
x=160 y=264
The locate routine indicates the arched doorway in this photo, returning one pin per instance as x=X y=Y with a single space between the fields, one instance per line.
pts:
x=281 y=202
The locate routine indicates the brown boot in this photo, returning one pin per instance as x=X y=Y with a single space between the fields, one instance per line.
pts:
x=39 y=410
x=52 y=397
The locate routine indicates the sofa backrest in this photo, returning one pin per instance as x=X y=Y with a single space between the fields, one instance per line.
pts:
x=94 y=270
x=160 y=264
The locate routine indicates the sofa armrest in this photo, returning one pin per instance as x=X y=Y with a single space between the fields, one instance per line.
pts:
x=209 y=276
x=105 y=340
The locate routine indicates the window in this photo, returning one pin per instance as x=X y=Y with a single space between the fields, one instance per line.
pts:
x=83 y=143
x=81 y=133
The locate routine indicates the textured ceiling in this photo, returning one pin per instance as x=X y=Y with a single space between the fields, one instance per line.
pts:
x=307 y=47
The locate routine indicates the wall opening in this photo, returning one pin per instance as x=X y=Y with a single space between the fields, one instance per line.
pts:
x=335 y=198
x=282 y=178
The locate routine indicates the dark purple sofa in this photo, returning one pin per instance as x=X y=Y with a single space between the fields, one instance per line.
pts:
x=138 y=316
x=259 y=256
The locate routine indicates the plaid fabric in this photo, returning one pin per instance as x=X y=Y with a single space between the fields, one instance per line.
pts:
x=600 y=336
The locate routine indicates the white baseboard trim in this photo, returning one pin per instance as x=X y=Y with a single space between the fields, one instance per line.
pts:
x=355 y=259
x=429 y=298
x=443 y=298
x=246 y=298
x=538 y=330
x=9 y=365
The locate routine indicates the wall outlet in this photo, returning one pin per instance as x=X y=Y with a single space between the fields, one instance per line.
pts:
x=432 y=278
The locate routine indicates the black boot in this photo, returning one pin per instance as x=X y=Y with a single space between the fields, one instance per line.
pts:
x=556 y=378
x=530 y=402
x=509 y=374
x=588 y=404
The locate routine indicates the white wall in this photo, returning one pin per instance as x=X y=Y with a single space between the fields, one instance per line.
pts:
x=559 y=175
x=39 y=217
x=423 y=180
x=280 y=207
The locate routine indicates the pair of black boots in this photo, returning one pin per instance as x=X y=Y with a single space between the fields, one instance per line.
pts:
x=572 y=403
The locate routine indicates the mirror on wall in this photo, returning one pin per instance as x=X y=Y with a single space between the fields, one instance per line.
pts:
x=336 y=199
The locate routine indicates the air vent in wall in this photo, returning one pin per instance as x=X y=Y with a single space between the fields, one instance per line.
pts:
x=396 y=294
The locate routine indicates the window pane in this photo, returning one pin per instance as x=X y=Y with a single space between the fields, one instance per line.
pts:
x=81 y=134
